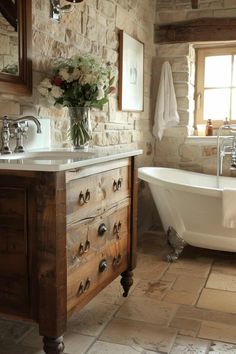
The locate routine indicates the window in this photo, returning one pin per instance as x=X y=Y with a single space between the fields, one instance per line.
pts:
x=216 y=85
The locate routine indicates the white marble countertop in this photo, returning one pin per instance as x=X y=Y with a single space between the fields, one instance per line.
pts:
x=61 y=159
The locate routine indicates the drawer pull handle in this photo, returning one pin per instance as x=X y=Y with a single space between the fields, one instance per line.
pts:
x=117 y=260
x=116 y=229
x=83 y=248
x=117 y=185
x=102 y=229
x=87 y=196
x=102 y=266
x=81 y=289
x=87 y=246
x=83 y=199
x=87 y=284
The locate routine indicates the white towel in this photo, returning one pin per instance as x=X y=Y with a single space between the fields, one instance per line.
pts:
x=166 y=114
x=229 y=208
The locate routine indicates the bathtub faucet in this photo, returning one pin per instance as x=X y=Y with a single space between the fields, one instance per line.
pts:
x=226 y=145
x=233 y=158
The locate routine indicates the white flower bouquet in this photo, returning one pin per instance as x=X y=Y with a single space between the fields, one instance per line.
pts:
x=79 y=83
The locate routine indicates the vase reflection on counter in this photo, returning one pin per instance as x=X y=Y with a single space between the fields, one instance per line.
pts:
x=80 y=127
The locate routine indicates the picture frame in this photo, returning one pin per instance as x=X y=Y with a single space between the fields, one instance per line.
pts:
x=131 y=74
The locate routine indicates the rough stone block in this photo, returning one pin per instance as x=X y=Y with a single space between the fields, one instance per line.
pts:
x=9 y=108
x=110 y=55
x=112 y=138
x=183 y=103
x=91 y=28
x=99 y=139
x=112 y=39
x=107 y=8
x=180 y=65
x=181 y=77
x=173 y=50
x=4 y=44
x=189 y=153
x=169 y=17
x=125 y=137
x=181 y=90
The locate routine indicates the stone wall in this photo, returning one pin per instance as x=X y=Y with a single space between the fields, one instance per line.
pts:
x=91 y=28
x=175 y=149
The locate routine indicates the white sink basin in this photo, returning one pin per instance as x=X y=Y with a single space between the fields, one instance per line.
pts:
x=49 y=155
x=61 y=159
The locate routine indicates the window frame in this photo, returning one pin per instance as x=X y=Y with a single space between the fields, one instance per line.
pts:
x=201 y=54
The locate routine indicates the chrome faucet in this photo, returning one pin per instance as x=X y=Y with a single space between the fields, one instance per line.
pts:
x=226 y=145
x=5 y=135
x=16 y=128
x=20 y=126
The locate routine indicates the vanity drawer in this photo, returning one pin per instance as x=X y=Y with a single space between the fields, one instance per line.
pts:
x=85 y=239
x=93 y=195
x=93 y=276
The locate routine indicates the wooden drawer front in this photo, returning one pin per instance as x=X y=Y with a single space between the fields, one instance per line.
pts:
x=91 y=277
x=13 y=250
x=91 y=196
x=85 y=239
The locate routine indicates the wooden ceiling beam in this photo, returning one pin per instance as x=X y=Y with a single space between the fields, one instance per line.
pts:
x=199 y=30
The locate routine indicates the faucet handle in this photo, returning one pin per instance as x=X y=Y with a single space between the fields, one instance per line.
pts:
x=6 y=134
x=21 y=126
x=6 y=121
x=20 y=129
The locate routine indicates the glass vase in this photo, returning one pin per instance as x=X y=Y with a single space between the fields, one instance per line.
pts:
x=80 y=127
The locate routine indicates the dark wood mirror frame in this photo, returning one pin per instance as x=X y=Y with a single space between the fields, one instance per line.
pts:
x=21 y=84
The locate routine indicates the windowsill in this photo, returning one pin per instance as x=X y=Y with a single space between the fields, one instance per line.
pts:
x=201 y=140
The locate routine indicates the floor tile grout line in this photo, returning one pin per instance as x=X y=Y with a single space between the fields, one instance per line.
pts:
x=90 y=346
x=207 y=278
x=110 y=320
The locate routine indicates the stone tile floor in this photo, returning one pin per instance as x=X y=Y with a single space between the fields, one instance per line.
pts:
x=188 y=307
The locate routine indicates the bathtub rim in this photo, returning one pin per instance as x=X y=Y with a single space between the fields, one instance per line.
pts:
x=210 y=191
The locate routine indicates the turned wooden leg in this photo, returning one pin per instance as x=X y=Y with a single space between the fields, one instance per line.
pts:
x=126 y=281
x=53 y=345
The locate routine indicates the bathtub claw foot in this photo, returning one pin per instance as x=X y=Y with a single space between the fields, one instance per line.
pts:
x=176 y=243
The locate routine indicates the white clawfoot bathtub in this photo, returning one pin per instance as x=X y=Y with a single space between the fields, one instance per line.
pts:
x=191 y=204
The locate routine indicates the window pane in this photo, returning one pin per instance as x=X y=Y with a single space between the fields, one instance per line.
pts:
x=233 y=108
x=218 y=71
x=216 y=104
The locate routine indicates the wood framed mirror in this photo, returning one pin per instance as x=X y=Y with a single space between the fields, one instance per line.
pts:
x=15 y=47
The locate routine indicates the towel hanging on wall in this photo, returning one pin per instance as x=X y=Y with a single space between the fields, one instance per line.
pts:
x=166 y=114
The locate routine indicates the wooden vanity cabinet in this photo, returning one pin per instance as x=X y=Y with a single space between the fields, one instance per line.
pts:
x=64 y=236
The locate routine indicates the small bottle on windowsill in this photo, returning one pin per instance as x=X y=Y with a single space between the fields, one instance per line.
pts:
x=226 y=121
x=209 y=128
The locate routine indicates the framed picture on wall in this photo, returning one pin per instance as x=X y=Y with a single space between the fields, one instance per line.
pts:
x=131 y=77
